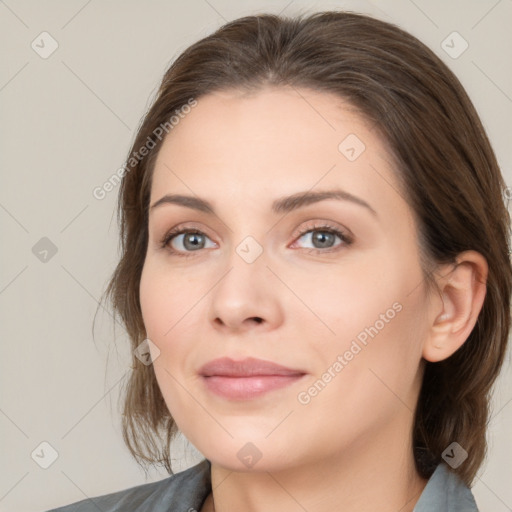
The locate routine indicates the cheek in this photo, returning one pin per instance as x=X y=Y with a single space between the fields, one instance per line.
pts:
x=164 y=314
x=156 y=306
x=342 y=302
x=372 y=328
x=164 y=300
x=170 y=309
x=362 y=386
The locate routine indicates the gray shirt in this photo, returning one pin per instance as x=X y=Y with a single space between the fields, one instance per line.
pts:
x=186 y=491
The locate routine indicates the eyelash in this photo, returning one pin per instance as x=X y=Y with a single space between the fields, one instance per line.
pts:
x=325 y=228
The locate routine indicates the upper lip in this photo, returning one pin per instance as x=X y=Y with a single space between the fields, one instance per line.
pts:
x=248 y=367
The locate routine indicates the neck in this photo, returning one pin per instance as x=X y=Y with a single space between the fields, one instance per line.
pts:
x=377 y=474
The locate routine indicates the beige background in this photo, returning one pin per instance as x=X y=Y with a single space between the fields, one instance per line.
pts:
x=67 y=124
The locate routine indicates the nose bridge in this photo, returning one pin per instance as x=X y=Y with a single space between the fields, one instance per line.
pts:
x=250 y=250
x=246 y=264
x=249 y=237
x=246 y=290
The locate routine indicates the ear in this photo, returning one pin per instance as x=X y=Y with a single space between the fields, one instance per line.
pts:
x=455 y=312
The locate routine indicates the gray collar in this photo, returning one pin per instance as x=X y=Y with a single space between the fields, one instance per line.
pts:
x=445 y=492
x=187 y=490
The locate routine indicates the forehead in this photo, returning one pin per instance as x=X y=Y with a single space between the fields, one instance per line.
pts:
x=234 y=122
x=273 y=141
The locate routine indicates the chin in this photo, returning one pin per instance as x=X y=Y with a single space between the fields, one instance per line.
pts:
x=248 y=453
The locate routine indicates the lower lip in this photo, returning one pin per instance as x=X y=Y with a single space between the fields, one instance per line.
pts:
x=245 y=388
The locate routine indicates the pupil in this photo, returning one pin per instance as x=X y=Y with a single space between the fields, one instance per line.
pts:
x=321 y=236
x=191 y=244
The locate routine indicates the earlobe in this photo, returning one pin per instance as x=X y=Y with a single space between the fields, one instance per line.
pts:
x=455 y=313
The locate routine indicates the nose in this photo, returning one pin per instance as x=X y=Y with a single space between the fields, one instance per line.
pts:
x=246 y=297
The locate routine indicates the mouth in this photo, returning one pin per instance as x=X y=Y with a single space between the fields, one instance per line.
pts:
x=248 y=378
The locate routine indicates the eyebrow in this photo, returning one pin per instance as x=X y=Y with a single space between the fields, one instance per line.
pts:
x=281 y=205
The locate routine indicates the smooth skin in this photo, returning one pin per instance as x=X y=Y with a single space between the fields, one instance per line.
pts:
x=300 y=303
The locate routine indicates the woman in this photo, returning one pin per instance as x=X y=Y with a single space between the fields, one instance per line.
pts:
x=351 y=373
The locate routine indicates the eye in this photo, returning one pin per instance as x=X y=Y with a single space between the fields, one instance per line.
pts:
x=186 y=241
x=323 y=238
x=183 y=241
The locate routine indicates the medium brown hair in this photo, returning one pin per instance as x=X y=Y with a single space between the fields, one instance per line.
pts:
x=448 y=173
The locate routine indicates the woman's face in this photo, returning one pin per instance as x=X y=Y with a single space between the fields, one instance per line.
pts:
x=269 y=278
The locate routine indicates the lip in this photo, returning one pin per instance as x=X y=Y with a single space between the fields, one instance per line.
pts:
x=248 y=378
x=248 y=367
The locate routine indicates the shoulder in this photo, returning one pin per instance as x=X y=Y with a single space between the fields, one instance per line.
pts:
x=181 y=491
x=446 y=492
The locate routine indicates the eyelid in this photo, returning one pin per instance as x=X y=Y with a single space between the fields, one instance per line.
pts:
x=179 y=229
x=326 y=225
x=345 y=235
